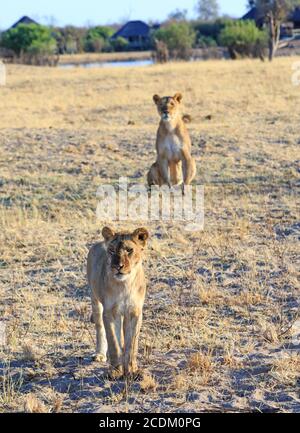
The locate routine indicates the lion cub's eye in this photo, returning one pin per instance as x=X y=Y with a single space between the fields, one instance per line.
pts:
x=130 y=251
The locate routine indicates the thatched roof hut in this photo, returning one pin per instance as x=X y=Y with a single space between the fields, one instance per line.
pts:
x=137 y=34
x=258 y=17
x=24 y=20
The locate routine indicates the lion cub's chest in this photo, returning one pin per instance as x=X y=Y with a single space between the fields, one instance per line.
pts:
x=123 y=299
x=171 y=147
x=125 y=296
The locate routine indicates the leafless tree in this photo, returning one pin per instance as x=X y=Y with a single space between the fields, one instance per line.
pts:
x=275 y=12
x=207 y=10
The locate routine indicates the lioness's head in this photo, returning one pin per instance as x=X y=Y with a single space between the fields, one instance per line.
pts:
x=168 y=107
x=124 y=250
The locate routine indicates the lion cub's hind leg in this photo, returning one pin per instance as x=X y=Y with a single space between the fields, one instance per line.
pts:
x=154 y=177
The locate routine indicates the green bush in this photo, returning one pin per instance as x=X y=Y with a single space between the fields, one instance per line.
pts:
x=97 y=39
x=119 y=44
x=211 y=29
x=206 y=42
x=179 y=38
x=29 y=39
x=243 y=39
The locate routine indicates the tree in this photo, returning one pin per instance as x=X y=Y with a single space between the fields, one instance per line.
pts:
x=29 y=39
x=97 y=38
x=275 y=12
x=70 y=39
x=179 y=38
x=244 y=39
x=207 y=10
x=209 y=30
x=178 y=15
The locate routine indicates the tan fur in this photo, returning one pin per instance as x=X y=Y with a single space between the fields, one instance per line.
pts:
x=116 y=278
x=173 y=145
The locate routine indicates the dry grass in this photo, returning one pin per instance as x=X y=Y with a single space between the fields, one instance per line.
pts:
x=34 y=405
x=103 y=57
x=219 y=302
x=148 y=382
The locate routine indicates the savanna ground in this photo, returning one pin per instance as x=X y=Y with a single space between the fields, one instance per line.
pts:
x=221 y=308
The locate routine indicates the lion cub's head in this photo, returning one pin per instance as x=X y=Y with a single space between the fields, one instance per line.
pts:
x=168 y=107
x=124 y=250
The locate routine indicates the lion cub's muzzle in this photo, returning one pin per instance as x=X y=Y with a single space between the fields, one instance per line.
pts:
x=120 y=267
x=166 y=115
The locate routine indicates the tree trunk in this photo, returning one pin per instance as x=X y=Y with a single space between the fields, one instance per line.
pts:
x=274 y=36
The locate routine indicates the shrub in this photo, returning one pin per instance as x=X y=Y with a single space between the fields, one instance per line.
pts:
x=206 y=42
x=179 y=38
x=210 y=29
x=70 y=39
x=29 y=39
x=243 y=39
x=119 y=44
x=97 y=39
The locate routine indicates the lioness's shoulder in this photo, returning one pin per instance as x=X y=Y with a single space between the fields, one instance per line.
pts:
x=97 y=251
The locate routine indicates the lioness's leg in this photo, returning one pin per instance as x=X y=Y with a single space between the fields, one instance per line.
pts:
x=154 y=177
x=112 y=323
x=132 y=326
x=164 y=171
x=101 y=342
x=174 y=173
x=188 y=169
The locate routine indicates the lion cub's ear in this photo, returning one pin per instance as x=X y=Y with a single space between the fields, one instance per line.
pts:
x=141 y=235
x=156 y=99
x=178 y=97
x=108 y=233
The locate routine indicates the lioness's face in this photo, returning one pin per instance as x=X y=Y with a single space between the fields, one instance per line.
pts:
x=168 y=107
x=124 y=251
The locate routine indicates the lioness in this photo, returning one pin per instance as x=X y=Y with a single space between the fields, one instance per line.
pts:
x=116 y=278
x=173 y=145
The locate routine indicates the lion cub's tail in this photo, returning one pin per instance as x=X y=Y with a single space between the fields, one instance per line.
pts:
x=187 y=118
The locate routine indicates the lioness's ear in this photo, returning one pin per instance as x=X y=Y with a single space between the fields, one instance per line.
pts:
x=156 y=99
x=178 y=97
x=108 y=233
x=141 y=235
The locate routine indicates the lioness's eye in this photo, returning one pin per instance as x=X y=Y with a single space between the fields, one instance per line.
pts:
x=130 y=251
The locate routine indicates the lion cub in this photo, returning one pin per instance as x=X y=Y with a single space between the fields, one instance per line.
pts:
x=173 y=145
x=116 y=278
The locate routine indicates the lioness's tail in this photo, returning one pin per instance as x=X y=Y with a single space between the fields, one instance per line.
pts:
x=187 y=118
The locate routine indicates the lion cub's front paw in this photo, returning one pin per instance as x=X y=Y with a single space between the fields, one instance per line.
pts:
x=133 y=371
x=116 y=372
x=99 y=357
